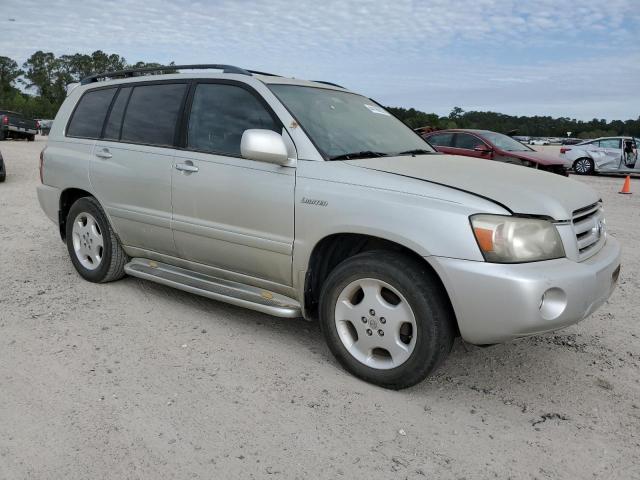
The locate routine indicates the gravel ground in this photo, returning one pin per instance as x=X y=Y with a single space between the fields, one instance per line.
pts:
x=135 y=380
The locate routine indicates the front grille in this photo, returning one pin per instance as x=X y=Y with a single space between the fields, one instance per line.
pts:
x=589 y=227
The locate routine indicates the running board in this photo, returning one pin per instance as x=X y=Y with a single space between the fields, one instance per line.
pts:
x=215 y=288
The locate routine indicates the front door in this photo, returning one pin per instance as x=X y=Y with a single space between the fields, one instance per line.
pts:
x=230 y=213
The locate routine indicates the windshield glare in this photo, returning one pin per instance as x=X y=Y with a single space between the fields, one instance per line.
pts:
x=504 y=142
x=342 y=123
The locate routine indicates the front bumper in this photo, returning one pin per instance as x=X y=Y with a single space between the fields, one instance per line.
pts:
x=495 y=303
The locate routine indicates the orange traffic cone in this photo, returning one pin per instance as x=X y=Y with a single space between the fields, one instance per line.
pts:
x=626 y=188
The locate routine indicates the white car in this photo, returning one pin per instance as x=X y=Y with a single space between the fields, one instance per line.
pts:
x=606 y=155
x=538 y=141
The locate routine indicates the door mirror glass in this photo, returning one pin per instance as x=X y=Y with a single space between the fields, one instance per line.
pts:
x=264 y=146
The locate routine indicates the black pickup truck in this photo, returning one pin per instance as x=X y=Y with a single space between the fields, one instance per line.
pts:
x=15 y=125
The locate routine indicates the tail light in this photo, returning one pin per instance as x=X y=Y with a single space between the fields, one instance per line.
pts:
x=41 y=166
x=564 y=150
x=5 y=120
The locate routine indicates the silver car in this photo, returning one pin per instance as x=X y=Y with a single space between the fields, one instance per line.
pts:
x=605 y=155
x=303 y=199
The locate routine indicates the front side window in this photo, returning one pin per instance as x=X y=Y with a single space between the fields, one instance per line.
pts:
x=152 y=114
x=610 y=143
x=505 y=142
x=345 y=125
x=220 y=113
x=441 y=139
x=88 y=117
x=468 y=142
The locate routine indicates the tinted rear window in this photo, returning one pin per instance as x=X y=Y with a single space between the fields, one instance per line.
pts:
x=112 y=128
x=152 y=114
x=88 y=117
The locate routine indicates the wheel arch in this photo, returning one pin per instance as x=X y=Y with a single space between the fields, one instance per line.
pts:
x=331 y=250
x=67 y=198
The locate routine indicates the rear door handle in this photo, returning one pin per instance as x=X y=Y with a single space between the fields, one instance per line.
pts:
x=187 y=167
x=104 y=153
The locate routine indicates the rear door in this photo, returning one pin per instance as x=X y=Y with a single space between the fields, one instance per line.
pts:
x=612 y=150
x=441 y=141
x=131 y=165
x=230 y=213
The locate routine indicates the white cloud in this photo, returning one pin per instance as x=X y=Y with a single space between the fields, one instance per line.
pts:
x=432 y=54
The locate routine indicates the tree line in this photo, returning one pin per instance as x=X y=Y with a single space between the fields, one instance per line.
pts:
x=47 y=75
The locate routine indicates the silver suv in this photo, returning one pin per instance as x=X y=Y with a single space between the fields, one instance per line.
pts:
x=302 y=199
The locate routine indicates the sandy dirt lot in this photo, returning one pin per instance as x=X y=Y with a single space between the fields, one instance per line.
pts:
x=135 y=380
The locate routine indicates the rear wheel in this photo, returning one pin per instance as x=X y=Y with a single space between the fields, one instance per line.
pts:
x=31 y=138
x=93 y=246
x=386 y=319
x=583 y=166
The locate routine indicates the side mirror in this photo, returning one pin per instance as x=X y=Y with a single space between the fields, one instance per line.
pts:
x=482 y=148
x=264 y=146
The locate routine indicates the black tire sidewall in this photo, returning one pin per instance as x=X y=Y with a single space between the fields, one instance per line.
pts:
x=435 y=333
x=91 y=206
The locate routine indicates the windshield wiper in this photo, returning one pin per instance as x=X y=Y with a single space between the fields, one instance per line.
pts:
x=354 y=155
x=417 y=151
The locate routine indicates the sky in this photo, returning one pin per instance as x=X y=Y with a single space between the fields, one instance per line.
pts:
x=564 y=58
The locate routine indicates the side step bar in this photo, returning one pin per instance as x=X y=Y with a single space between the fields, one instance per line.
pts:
x=218 y=289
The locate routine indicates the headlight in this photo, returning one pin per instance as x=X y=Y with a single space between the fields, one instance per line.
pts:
x=504 y=239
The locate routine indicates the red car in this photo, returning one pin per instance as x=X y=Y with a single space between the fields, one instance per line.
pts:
x=493 y=146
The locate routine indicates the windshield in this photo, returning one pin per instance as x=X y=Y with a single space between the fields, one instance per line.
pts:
x=345 y=125
x=505 y=142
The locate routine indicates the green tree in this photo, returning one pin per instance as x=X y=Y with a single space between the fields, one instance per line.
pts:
x=9 y=74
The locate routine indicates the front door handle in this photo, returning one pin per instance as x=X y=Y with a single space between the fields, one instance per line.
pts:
x=187 y=167
x=104 y=153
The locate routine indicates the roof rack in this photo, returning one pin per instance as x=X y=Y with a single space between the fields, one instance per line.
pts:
x=133 y=71
x=328 y=83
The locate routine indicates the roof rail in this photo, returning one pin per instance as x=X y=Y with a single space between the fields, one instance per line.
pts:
x=328 y=83
x=133 y=71
x=266 y=74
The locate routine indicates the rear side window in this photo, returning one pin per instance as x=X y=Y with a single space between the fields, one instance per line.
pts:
x=610 y=143
x=88 y=117
x=114 y=122
x=220 y=114
x=441 y=139
x=152 y=114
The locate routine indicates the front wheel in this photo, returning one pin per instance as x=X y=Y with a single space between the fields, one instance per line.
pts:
x=386 y=318
x=93 y=246
x=583 y=166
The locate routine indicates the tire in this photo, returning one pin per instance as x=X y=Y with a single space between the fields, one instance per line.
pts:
x=353 y=327
x=31 y=138
x=87 y=225
x=3 y=135
x=583 y=166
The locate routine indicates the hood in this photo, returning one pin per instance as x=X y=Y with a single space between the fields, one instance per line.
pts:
x=538 y=157
x=520 y=189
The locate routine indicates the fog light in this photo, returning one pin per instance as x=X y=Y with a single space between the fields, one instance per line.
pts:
x=553 y=303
